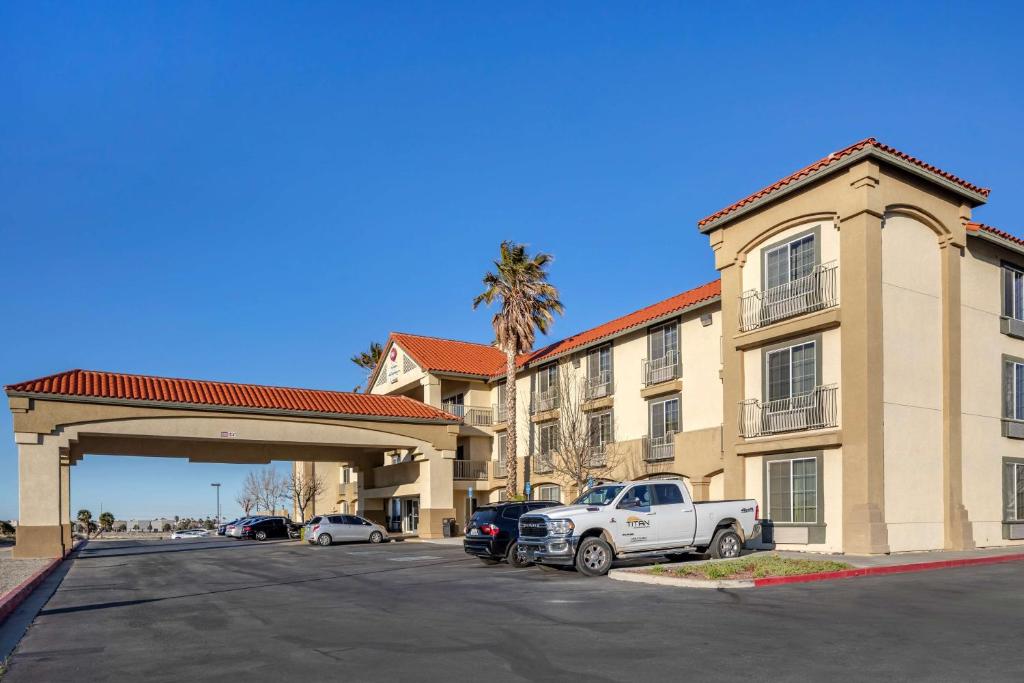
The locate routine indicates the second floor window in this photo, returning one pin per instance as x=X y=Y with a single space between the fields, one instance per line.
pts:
x=791 y=261
x=791 y=371
x=502 y=444
x=547 y=379
x=1013 y=292
x=600 y=430
x=599 y=371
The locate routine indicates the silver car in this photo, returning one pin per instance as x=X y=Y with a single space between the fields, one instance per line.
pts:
x=327 y=529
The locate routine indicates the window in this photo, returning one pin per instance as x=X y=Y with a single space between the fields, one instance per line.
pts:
x=791 y=371
x=668 y=494
x=791 y=261
x=599 y=371
x=600 y=495
x=346 y=475
x=1013 y=491
x=1013 y=388
x=638 y=496
x=457 y=399
x=502 y=442
x=600 y=430
x=337 y=519
x=512 y=512
x=502 y=496
x=793 y=491
x=663 y=342
x=547 y=379
x=548 y=492
x=664 y=418
x=547 y=438
x=1013 y=292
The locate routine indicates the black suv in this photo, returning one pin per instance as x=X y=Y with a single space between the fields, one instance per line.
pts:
x=269 y=527
x=493 y=531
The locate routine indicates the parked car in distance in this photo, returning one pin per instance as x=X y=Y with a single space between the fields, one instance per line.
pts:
x=492 y=533
x=184 y=533
x=324 y=530
x=653 y=517
x=268 y=527
x=223 y=528
x=235 y=530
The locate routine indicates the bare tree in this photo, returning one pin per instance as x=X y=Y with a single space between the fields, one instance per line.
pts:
x=582 y=448
x=305 y=489
x=271 y=488
x=246 y=499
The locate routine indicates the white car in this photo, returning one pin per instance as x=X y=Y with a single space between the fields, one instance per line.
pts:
x=635 y=519
x=185 y=533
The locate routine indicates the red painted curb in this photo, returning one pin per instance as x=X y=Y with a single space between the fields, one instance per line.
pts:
x=11 y=600
x=891 y=569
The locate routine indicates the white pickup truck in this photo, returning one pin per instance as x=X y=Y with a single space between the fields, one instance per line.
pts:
x=635 y=519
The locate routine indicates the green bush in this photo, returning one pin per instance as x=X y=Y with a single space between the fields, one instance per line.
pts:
x=757 y=566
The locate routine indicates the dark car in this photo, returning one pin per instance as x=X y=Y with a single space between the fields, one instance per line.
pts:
x=492 y=532
x=271 y=527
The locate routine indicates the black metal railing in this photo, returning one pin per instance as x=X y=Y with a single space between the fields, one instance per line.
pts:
x=817 y=409
x=814 y=292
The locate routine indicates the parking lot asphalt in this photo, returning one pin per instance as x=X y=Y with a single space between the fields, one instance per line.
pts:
x=211 y=609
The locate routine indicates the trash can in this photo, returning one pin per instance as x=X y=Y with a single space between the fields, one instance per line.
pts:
x=448 y=527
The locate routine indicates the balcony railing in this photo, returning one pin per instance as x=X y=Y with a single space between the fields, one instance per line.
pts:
x=597 y=455
x=664 y=369
x=545 y=400
x=347 y=487
x=542 y=463
x=477 y=417
x=599 y=385
x=500 y=412
x=470 y=469
x=813 y=292
x=816 y=409
x=659 y=448
x=499 y=469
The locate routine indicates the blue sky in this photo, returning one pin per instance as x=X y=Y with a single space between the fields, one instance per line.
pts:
x=254 y=191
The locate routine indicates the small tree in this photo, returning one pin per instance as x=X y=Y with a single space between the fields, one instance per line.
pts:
x=84 y=518
x=305 y=490
x=271 y=488
x=582 y=450
x=166 y=527
x=208 y=524
x=120 y=527
x=6 y=528
x=107 y=521
x=368 y=360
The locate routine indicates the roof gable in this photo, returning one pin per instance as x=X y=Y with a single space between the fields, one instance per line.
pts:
x=835 y=161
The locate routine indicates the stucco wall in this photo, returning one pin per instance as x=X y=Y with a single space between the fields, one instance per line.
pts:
x=984 y=447
x=828 y=245
x=912 y=395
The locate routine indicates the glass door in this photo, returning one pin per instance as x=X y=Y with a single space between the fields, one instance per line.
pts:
x=412 y=515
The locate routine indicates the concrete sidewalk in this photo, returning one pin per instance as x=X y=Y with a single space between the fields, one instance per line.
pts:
x=896 y=559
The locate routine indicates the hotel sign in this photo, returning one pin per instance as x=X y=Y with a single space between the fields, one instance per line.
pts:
x=393 y=365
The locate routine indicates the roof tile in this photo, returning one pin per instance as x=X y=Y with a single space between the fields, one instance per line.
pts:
x=113 y=385
x=830 y=160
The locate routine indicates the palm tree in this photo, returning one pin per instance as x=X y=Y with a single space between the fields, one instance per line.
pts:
x=107 y=520
x=528 y=304
x=368 y=359
x=84 y=518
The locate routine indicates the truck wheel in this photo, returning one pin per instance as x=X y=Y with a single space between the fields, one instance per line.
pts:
x=725 y=544
x=594 y=557
x=517 y=556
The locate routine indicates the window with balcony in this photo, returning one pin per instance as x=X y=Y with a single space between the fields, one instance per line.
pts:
x=1012 y=321
x=501 y=407
x=599 y=372
x=662 y=362
x=499 y=466
x=546 y=388
x=793 y=282
x=664 y=423
x=547 y=442
x=793 y=397
x=600 y=437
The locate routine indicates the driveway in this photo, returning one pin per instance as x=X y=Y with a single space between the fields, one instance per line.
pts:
x=215 y=610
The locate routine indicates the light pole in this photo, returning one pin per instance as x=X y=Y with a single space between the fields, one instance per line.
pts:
x=217 y=486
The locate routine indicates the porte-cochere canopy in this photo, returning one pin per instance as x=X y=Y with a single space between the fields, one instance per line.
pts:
x=60 y=418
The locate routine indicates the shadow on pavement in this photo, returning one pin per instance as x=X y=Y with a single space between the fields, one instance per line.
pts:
x=95 y=552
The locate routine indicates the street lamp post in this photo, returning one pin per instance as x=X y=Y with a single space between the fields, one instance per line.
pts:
x=217 y=486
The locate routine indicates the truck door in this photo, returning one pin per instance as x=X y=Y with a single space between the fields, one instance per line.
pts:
x=677 y=519
x=637 y=519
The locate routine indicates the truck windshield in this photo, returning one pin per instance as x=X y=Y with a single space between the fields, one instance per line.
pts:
x=601 y=495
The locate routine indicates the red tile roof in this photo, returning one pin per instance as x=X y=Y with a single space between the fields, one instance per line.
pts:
x=434 y=354
x=981 y=227
x=830 y=160
x=673 y=304
x=143 y=388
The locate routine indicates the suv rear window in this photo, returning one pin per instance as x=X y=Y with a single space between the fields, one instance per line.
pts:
x=485 y=515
